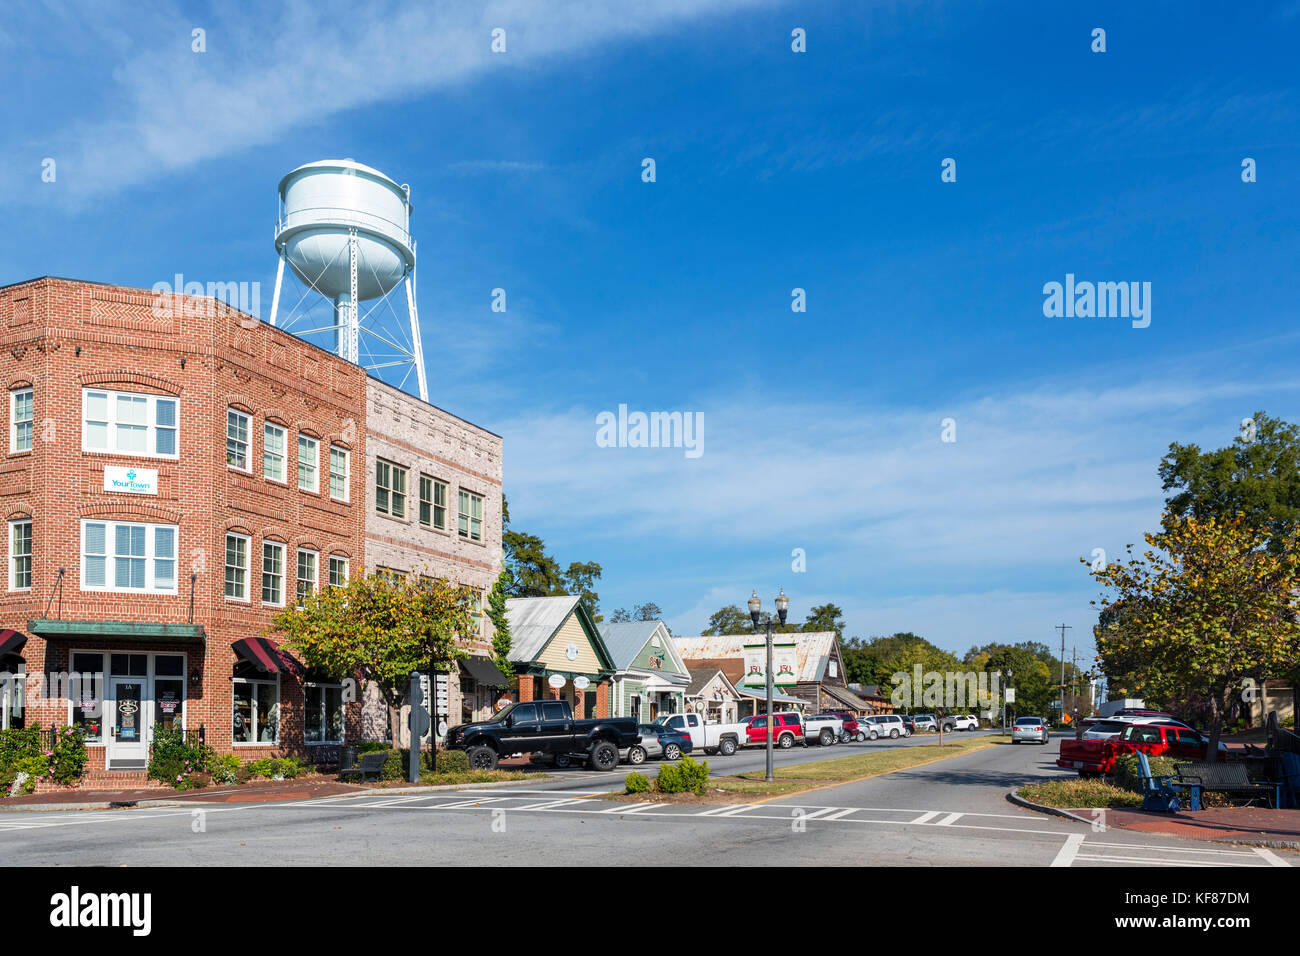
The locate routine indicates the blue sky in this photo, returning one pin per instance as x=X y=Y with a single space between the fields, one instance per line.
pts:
x=775 y=170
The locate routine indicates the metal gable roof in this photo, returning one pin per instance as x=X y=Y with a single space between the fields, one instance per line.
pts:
x=533 y=621
x=626 y=639
x=813 y=650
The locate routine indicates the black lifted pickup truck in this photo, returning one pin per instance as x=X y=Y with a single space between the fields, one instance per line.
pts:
x=543 y=726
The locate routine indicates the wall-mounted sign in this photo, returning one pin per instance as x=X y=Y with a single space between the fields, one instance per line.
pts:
x=581 y=683
x=571 y=652
x=132 y=481
x=556 y=681
x=1011 y=695
x=784 y=664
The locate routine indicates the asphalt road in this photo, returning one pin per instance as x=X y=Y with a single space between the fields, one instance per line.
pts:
x=950 y=812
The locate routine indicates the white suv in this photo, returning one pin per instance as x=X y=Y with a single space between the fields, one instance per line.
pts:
x=883 y=725
x=966 y=722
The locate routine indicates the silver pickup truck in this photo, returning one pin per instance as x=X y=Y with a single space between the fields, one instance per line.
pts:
x=825 y=730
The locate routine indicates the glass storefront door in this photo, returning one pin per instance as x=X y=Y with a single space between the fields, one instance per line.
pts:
x=128 y=737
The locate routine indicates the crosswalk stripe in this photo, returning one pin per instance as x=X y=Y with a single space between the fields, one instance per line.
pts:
x=841 y=813
x=926 y=817
x=949 y=820
x=817 y=813
x=1273 y=858
x=718 y=811
x=1065 y=857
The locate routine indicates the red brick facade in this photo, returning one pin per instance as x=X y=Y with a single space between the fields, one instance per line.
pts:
x=62 y=336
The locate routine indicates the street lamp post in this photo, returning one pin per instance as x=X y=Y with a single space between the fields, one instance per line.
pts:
x=755 y=609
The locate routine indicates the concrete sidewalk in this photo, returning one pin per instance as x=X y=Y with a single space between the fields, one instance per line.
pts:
x=1257 y=826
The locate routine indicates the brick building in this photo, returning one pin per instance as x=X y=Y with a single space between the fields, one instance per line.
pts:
x=175 y=473
x=434 y=508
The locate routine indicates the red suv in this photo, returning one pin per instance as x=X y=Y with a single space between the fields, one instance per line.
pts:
x=789 y=730
x=851 y=729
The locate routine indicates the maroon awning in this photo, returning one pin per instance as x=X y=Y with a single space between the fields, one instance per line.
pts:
x=264 y=654
x=11 y=641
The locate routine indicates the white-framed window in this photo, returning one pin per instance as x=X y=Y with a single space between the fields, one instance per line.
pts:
x=237 y=566
x=128 y=556
x=237 y=440
x=128 y=423
x=306 y=575
x=20 y=555
x=340 y=472
x=471 y=516
x=273 y=452
x=322 y=713
x=256 y=718
x=433 y=503
x=22 y=416
x=163 y=696
x=338 y=571
x=273 y=573
x=390 y=489
x=308 y=463
x=476 y=612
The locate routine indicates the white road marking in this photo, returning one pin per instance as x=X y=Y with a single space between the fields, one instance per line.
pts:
x=841 y=813
x=926 y=817
x=1156 y=861
x=817 y=813
x=718 y=811
x=949 y=820
x=1273 y=858
x=1069 y=851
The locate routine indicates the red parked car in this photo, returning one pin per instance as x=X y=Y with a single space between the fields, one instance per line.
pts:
x=1095 y=757
x=789 y=730
x=851 y=729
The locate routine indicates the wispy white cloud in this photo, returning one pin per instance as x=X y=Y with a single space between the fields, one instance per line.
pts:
x=272 y=69
x=898 y=525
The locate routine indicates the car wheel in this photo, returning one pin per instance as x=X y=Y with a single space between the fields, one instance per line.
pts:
x=826 y=737
x=727 y=747
x=636 y=756
x=893 y=734
x=604 y=756
x=563 y=761
x=845 y=737
x=482 y=758
x=672 y=752
x=785 y=741
x=861 y=737
x=875 y=735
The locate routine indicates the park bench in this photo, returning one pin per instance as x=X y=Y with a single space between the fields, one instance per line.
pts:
x=1291 y=777
x=371 y=763
x=1157 y=793
x=1223 y=777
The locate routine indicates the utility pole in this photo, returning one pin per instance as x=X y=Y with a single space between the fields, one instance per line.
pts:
x=1074 y=676
x=1064 y=628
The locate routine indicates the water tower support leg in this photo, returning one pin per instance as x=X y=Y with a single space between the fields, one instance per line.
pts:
x=275 y=297
x=352 y=304
x=417 y=350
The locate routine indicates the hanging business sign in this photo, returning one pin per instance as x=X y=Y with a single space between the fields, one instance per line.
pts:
x=581 y=683
x=556 y=681
x=784 y=665
x=132 y=481
x=1011 y=695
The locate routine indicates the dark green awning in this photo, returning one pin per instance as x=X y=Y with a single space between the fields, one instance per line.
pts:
x=138 y=632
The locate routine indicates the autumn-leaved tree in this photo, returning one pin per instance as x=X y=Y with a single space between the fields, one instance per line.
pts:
x=380 y=628
x=1208 y=605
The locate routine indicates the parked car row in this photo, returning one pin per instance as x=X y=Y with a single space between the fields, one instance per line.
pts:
x=547 y=731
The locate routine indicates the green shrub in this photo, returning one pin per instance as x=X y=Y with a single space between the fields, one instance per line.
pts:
x=224 y=769
x=394 y=766
x=370 y=746
x=287 y=768
x=635 y=783
x=685 y=776
x=452 y=761
x=67 y=761
x=1127 y=774
x=175 y=761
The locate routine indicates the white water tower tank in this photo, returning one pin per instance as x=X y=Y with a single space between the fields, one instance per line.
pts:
x=344 y=231
x=321 y=202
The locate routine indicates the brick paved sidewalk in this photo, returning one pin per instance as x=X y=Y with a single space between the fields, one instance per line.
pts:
x=1257 y=825
x=268 y=791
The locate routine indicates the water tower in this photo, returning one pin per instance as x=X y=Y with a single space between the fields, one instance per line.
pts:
x=344 y=230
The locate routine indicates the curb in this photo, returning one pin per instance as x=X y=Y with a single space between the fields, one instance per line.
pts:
x=1020 y=801
x=151 y=803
